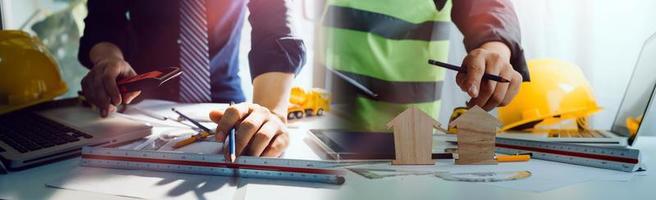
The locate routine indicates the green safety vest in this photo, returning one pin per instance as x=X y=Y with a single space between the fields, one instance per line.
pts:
x=384 y=45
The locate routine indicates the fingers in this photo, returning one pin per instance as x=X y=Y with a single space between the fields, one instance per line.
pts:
x=108 y=79
x=475 y=66
x=249 y=126
x=259 y=132
x=100 y=88
x=488 y=94
x=499 y=93
x=231 y=116
x=262 y=138
x=128 y=97
x=460 y=81
x=97 y=95
x=102 y=101
x=488 y=88
x=513 y=88
x=279 y=144
x=505 y=92
x=215 y=115
x=87 y=90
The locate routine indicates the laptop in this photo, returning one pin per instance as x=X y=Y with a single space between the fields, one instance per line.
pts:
x=634 y=110
x=57 y=130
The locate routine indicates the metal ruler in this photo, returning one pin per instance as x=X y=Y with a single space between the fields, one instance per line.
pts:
x=615 y=158
x=214 y=164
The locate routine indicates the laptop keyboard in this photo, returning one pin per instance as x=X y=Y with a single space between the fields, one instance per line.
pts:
x=575 y=134
x=27 y=131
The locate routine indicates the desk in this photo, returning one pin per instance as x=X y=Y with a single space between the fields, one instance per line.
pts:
x=29 y=184
x=639 y=187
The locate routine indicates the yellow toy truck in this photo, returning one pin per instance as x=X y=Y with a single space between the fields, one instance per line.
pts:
x=307 y=103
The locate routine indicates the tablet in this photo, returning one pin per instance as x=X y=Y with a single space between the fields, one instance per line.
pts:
x=341 y=144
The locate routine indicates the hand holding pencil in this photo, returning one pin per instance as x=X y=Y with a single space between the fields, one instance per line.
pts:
x=484 y=73
x=257 y=131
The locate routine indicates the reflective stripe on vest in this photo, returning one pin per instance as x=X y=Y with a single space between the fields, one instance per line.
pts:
x=384 y=45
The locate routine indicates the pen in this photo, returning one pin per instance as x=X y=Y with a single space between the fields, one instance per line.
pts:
x=463 y=70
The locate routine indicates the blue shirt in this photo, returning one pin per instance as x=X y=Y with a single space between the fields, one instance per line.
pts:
x=147 y=31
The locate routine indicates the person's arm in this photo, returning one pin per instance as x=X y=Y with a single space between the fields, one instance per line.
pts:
x=271 y=90
x=106 y=22
x=492 y=39
x=276 y=54
x=275 y=57
x=105 y=35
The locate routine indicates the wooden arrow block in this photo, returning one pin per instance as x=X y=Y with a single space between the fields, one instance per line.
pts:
x=413 y=137
x=476 y=132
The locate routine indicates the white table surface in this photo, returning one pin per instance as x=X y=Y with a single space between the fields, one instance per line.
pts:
x=639 y=187
x=30 y=183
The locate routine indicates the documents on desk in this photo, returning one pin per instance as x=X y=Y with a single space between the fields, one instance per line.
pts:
x=157 y=110
x=160 y=185
x=544 y=175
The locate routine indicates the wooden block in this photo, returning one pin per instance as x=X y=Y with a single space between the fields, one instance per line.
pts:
x=476 y=132
x=413 y=137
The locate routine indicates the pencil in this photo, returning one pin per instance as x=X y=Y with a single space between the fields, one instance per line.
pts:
x=231 y=142
x=463 y=70
x=194 y=138
x=512 y=158
x=192 y=121
x=232 y=150
x=355 y=83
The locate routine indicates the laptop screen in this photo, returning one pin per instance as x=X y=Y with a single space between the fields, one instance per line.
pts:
x=639 y=94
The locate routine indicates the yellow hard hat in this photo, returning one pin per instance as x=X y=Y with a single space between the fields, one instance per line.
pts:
x=557 y=89
x=30 y=75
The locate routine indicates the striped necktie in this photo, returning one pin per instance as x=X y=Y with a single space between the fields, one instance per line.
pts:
x=194 y=55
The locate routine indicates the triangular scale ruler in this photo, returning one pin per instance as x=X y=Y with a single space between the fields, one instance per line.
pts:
x=213 y=164
x=615 y=158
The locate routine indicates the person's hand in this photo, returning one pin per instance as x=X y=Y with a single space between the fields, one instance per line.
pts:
x=492 y=58
x=259 y=132
x=99 y=85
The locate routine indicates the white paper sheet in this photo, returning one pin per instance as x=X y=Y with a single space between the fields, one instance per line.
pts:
x=157 y=185
x=198 y=111
x=147 y=184
x=155 y=111
x=545 y=175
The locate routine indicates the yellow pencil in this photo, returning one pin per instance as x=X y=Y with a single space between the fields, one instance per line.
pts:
x=200 y=136
x=513 y=158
